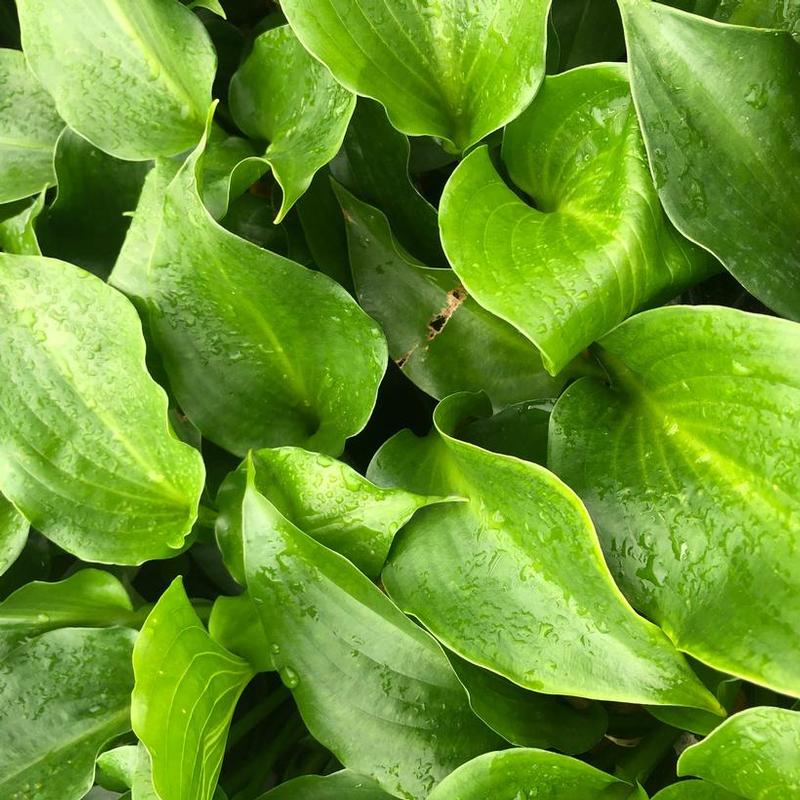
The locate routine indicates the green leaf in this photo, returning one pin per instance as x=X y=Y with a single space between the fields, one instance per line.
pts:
x=210 y=5
x=521 y=557
x=90 y=598
x=457 y=71
x=754 y=754
x=594 y=246
x=284 y=96
x=781 y=14
x=694 y=790
x=235 y=624
x=86 y=452
x=437 y=334
x=686 y=458
x=373 y=165
x=186 y=690
x=63 y=696
x=266 y=354
x=131 y=76
x=529 y=719
x=13 y=534
x=86 y=224
x=29 y=127
x=514 y=774
x=18 y=226
x=395 y=712
x=324 y=498
x=724 y=150
x=127 y=767
x=344 y=785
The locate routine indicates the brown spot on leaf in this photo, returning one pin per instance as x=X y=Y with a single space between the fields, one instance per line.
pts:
x=455 y=297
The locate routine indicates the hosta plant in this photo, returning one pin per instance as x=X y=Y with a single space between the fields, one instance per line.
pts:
x=399 y=399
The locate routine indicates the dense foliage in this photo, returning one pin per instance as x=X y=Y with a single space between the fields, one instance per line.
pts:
x=399 y=398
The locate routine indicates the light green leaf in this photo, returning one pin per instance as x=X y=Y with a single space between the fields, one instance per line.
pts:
x=457 y=71
x=18 y=226
x=437 y=334
x=131 y=76
x=753 y=754
x=210 y=5
x=29 y=127
x=781 y=14
x=686 y=458
x=115 y=767
x=284 y=96
x=344 y=785
x=86 y=452
x=396 y=712
x=86 y=224
x=694 y=790
x=186 y=690
x=594 y=246
x=514 y=774
x=266 y=354
x=13 y=534
x=529 y=719
x=63 y=696
x=235 y=624
x=724 y=150
x=373 y=165
x=91 y=598
x=520 y=557
x=326 y=499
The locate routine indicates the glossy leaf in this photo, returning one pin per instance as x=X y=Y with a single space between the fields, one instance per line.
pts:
x=529 y=719
x=686 y=459
x=127 y=767
x=457 y=71
x=344 y=785
x=521 y=558
x=186 y=690
x=29 y=127
x=284 y=96
x=395 y=712
x=86 y=452
x=437 y=334
x=63 y=696
x=86 y=224
x=131 y=76
x=18 y=226
x=694 y=790
x=754 y=754
x=780 y=14
x=724 y=151
x=514 y=774
x=235 y=624
x=90 y=598
x=594 y=246
x=373 y=165
x=13 y=534
x=267 y=354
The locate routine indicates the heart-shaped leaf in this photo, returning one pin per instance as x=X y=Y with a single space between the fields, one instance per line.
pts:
x=131 y=76
x=514 y=774
x=724 y=150
x=437 y=334
x=246 y=366
x=594 y=246
x=186 y=689
x=282 y=95
x=326 y=499
x=90 y=598
x=396 y=712
x=520 y=558
x=29 y=128
x=63 y=696
x=86 y=453
x=754 y=755
x=687 y=459
x=457 y=71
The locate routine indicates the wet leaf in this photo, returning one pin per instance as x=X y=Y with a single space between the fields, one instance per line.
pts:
x=186 y=689
x=344 y=785
x=131 y=76
x=592 y=245
x=86 y=452
x=13 y=534
x=520 y=558
x=685 y=457
x=457 y=71
x=733 y=192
